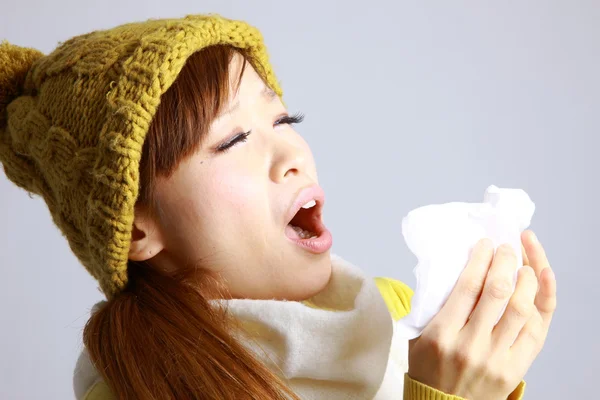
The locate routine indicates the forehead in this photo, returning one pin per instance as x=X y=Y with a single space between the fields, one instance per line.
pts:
x=247 y=87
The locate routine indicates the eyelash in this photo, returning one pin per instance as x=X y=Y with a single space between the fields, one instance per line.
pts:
x=242 y=137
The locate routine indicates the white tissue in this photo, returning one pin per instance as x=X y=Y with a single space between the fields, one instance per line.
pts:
x=442 y=236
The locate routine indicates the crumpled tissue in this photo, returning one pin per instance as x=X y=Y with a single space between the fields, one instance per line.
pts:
x=442 y=236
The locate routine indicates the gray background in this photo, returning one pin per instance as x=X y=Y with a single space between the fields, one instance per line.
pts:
x=407 y=104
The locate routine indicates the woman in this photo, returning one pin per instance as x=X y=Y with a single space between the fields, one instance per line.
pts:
x=168 y=160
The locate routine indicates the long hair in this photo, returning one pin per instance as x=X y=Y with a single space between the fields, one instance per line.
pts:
x=161 y=338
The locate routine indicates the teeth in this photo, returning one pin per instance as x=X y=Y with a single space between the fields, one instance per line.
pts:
x=310 y=204
x=303 y=233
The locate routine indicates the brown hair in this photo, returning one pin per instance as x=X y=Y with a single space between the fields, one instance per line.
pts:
x=161 y=338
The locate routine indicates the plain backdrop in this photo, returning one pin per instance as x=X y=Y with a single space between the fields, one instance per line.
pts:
x=407 y=104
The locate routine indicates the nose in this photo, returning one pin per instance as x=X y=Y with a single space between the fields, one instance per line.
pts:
x=288 y=161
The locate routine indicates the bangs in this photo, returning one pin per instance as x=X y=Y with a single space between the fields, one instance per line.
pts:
x=185 y=113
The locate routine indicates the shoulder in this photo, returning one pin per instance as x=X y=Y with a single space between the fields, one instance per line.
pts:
x=87 y=382
x=99 y=391
x=397 y=296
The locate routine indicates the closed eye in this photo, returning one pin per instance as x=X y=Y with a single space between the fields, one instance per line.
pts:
x=290 y=119
x=242 y=137
x=239 y=138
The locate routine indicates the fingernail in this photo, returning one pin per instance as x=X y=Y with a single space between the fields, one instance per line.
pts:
x=534 y=238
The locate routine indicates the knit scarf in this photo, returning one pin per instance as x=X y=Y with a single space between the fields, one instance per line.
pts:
x=333 y=346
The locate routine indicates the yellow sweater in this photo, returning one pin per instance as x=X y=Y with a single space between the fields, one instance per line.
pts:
x=397 y=296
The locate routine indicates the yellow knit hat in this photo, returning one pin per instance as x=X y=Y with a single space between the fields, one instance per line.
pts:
x=72 y=123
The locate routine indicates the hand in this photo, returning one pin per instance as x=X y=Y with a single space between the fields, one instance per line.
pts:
x=461 y=351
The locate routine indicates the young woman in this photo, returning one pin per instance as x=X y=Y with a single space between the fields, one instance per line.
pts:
x=169 y=161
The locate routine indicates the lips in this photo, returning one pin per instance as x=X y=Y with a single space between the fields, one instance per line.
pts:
x=306 y=195
x=309 y=220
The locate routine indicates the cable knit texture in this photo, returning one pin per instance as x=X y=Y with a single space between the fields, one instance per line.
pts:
x=72 y=123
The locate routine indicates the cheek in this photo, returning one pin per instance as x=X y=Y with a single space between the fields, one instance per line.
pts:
x=234 y=196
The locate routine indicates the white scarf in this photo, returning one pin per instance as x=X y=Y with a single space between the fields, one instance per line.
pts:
x=340 y=348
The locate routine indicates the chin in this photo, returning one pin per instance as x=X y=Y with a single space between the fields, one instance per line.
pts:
x=317 y=276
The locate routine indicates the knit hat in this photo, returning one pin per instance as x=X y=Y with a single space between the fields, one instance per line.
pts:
x=73 y=123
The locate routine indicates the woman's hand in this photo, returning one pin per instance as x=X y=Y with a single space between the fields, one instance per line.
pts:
x=461 y=352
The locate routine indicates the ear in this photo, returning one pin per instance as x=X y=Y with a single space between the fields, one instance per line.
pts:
x=146 y=238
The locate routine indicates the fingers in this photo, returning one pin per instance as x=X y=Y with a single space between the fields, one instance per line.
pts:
x=546 y=298
x=519 y=310
x=497 y=290
x=545 y=301
x=464 y=296
x=531 y=339
x=529 y=342
x=524 y=255
x=535 y=252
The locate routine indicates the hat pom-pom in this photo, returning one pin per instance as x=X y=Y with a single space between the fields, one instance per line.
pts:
x=15 y=63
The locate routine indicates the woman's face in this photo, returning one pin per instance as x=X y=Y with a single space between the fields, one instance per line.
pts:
x=228 y=207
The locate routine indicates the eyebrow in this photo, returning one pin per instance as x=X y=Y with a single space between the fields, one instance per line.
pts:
x=266 y=92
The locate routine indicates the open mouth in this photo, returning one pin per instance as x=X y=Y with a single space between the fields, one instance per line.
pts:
x=307 y=223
